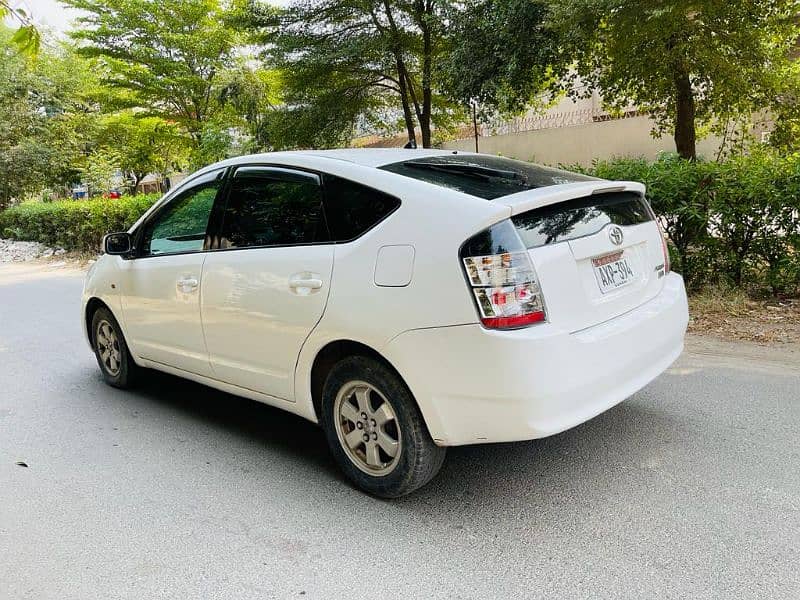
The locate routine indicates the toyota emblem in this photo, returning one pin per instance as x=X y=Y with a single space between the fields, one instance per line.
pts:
x=615 y=235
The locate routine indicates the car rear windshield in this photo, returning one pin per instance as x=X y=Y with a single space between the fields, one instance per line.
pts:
x=486 y=177
x=580 y=217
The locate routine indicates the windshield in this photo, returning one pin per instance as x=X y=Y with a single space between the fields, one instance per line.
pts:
x=486 y=177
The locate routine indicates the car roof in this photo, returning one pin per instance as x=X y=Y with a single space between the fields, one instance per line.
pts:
x=367 y=157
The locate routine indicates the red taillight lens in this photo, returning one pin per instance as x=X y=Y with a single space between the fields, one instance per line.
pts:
x=502 y=279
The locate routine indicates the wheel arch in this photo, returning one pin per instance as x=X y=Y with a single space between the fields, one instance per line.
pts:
x=333 y=352
x=92 y=305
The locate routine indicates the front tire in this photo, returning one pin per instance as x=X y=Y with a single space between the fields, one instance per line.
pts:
x=375 y=430
x=111 y=350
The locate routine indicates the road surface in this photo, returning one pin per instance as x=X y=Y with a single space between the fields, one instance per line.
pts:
x=690 y=489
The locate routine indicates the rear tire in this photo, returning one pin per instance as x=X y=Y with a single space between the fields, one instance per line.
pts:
x=111 y=350
x=375 y=429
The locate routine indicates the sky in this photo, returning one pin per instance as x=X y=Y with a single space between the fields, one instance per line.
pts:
x=49 y=13
x=54 y=15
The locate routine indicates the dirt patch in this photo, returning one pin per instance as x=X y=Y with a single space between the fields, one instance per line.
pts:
x=731 y=315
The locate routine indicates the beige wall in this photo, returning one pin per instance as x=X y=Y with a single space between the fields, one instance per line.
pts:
x=582 y=143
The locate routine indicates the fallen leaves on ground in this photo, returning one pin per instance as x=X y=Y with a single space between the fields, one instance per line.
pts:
x=731 y=315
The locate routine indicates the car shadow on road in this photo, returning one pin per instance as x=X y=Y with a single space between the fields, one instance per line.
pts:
x=629 y=436
x=252 y=421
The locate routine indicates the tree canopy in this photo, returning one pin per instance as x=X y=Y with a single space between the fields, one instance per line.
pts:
x=43 y=110
x=167 y=55
x=152 y=86
x=346 y=63
x=684 y=61
x=501 y=54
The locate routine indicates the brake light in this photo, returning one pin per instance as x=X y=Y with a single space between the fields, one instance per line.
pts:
x=502 y=278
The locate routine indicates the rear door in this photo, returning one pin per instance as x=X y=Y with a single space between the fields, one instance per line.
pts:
x=266 y=282
x=597 y=256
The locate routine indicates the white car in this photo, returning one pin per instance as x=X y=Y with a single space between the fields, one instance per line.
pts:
x=406 y=300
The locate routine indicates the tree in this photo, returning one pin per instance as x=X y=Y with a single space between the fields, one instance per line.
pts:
x=142 y=144
x=785 y=135
x=686 y=62
x=45 y=118
x=502 y=54
x=349 y=62
x=250 y=97
x=166 y=55
x=100 y=171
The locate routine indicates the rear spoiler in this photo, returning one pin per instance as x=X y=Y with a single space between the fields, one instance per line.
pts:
x=530 y=199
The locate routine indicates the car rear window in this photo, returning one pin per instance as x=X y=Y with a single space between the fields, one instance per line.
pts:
x=352 y=208
x=486 y=177
x=580 y=217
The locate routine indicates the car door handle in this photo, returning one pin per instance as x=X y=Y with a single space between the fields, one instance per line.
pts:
x=188 y=284
x=311 y=283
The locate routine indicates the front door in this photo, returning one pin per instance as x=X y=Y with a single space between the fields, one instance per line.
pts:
x=266 y=286
x=161 y=286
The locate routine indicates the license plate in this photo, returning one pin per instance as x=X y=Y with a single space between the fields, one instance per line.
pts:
x=613 y=271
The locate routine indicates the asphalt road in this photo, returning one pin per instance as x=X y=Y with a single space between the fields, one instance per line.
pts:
x=690 y=489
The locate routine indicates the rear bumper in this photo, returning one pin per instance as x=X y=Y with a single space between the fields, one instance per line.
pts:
x=474 y=385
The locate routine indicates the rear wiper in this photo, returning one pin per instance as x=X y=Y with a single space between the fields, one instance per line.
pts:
x=469 y=170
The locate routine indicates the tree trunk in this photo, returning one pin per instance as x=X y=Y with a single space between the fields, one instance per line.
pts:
x=408 y=116
x=402 y=71
x=423 y=11
x=475 y=123
x=685 y=133
x=427 y=50
x=425 y=117
x=137 y=179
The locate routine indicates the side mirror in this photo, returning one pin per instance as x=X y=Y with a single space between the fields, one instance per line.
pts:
x=117 y=243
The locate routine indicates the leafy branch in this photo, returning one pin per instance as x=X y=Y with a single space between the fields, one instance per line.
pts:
x=27 y=38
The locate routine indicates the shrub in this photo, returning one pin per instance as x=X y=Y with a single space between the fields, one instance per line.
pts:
x=735 y=222
x=678 y=192
x=73 y=224
x=754 y=218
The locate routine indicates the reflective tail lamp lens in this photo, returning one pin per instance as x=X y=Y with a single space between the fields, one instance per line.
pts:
x=502 y=278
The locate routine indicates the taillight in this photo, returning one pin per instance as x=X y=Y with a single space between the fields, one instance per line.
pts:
x=502 y=278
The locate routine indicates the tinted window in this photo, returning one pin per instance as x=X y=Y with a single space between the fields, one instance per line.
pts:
x=352 y=208
x=486 y=177
x=273 y=207
x=181 y=225
x=582 y=216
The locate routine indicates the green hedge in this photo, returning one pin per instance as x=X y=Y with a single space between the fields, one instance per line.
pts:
x=735 y=222
x=73 y=224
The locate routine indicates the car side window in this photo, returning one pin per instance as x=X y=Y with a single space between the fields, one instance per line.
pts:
x=181 y=226
x=351 y=208
x=273 y=207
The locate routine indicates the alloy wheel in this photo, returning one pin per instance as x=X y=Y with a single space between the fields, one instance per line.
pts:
x=368 y=428
x=108 y=349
